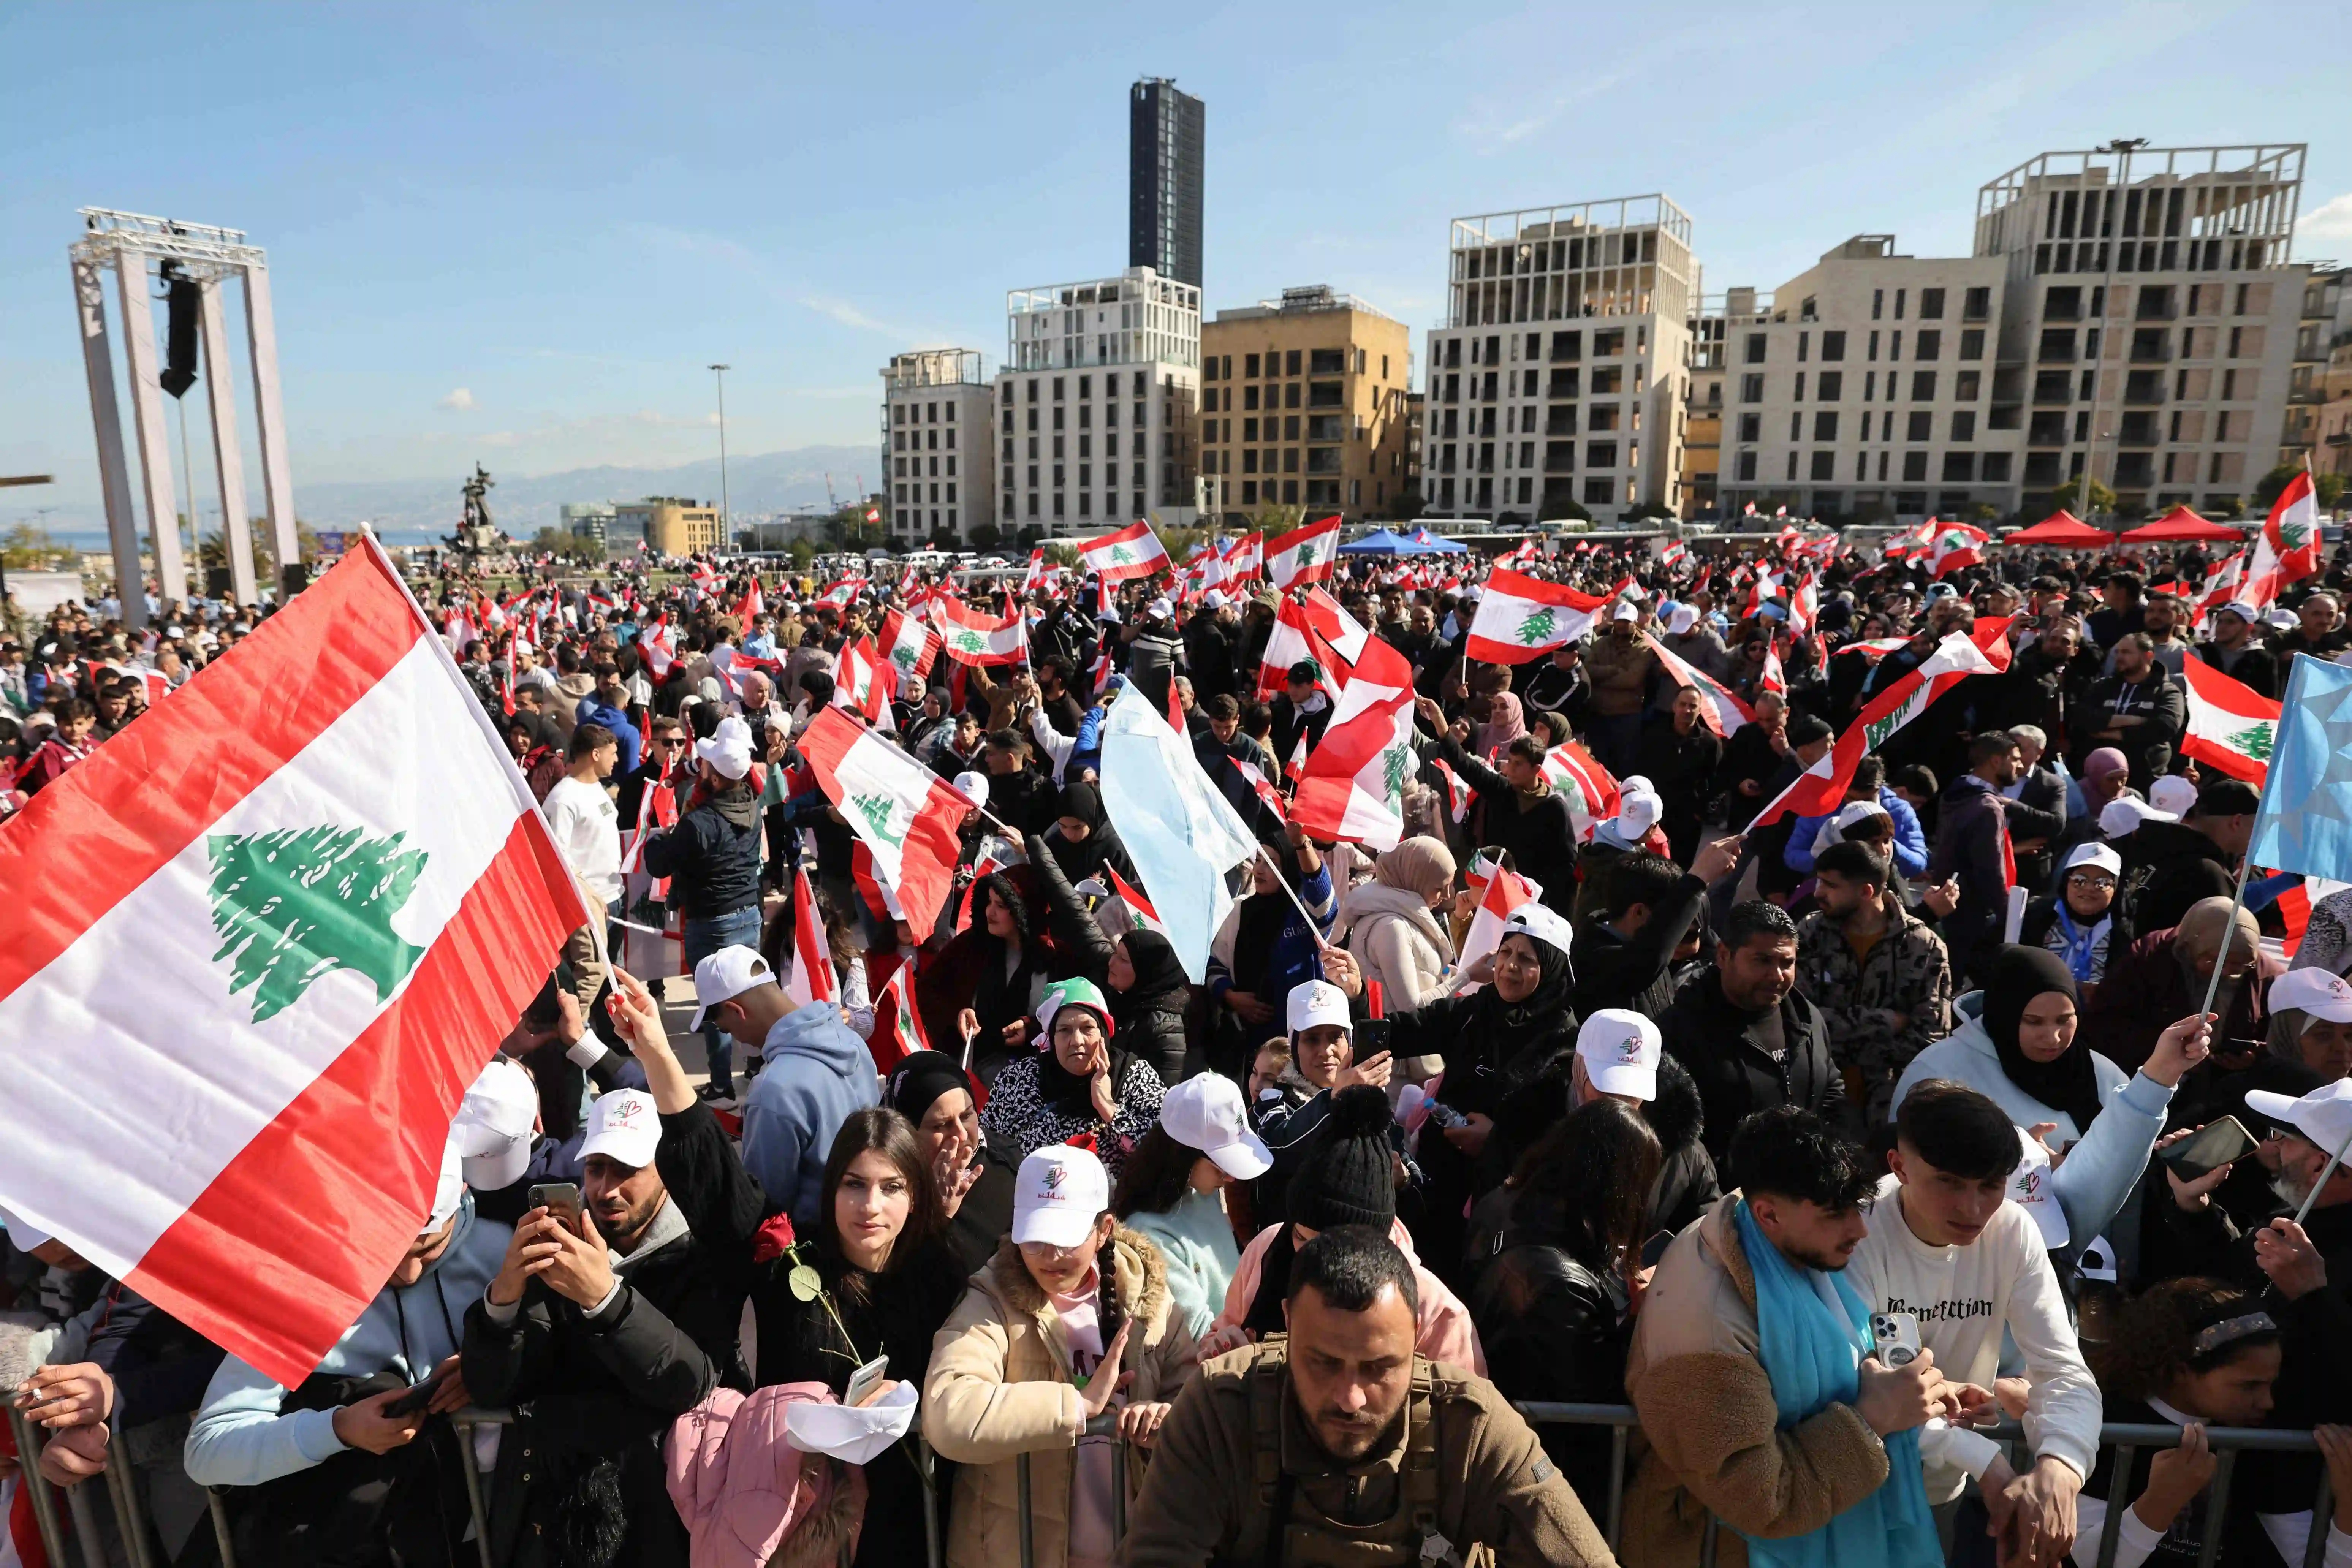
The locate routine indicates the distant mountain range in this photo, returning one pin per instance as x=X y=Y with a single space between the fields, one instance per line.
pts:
x=407 y=511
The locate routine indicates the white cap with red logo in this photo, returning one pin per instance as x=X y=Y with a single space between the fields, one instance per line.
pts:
x=1061 y=1192
x=622 y=1126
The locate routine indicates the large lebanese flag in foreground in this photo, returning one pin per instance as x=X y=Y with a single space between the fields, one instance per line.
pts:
x=252 y=953
x=2230 y=725
x=1354 y=785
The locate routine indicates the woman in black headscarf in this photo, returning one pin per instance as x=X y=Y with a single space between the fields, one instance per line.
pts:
x=1497 y=1041
x=1082 y=839
x=2016 y=1045
x=1081 y=1085
x=1147 y=996
x=974 y=1180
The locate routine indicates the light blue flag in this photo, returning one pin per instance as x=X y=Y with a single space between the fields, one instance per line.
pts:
x=1179 y=828
x=2305 y=822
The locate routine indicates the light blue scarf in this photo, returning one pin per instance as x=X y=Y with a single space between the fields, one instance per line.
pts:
x=1812 y=1333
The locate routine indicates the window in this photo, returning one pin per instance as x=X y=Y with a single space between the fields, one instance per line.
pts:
x=1745 y=465
x=1567 y=345
x=1751 y=427
x=1793 y=465
x=1976 y=305
x=1964 y=425
x=1385 y=367
x=1899 y=304
x=1877 y=303
x=1600 y=454
x=1290 y=459
x=1873 y=345
x=1751 y=388
x=1915 y=425
x=1914 y=465
x=1607 y=379
x=1326 y=361
x=1930 y=344
x=1289 y=427
x=1832 y=386
x=1960 y=467
x=1931 y=304
x=1609 y=342
x=1894 y=340
x=1598 y=492
x=1249 y=366
x=1805 y=340
x=1289 y=363
x=1972 y=341
x=1249 y=461
x=1602 y=417
x=1756 y=348
x=1923 y=386
x=1825 y=426
x=1249 y=397
x=1994 y=469
x=1833 y=347
x=1823 y=464
x=1967 y=385
x=1800 y=387
x=1057 y=391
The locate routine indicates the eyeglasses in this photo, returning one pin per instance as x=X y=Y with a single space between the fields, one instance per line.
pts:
x=669 y=742
x=2080 y=879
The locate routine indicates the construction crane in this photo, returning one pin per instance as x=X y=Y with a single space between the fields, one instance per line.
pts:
x=831 y=501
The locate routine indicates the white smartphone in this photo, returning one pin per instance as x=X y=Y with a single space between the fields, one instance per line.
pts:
x=1896 y=1336
x=862 y=1380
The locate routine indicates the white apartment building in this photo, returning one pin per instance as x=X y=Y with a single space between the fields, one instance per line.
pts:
x=937 y=460
x=1098 y=405
x=1561 y=371
x=2155 y=335
x=1863 y=387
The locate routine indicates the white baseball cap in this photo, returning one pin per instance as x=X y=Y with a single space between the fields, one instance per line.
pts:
x=1215 y=598
x=494 y=1125
x=1681 y=618
x=2318 y=991
x=1620 y=1049
x=1319 y=1002
x=2124 y=814
x=2242 y=610
x=1205 y=1112
x=624 y=1125
x=729 y=749
x=725 y=975
x=2323 y=1116
x=1058 y=1195
x=448 y=1188
x=1627 y=610
x=2031 y=1190
x=2173 y=793
x=1545 y=925
x=1159 y=609
x=23 y=1234
x=973 y=786
x=2096 y=1260
x=1638 y=811
x=2098 y=855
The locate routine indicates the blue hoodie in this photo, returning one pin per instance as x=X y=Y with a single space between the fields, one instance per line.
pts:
x=814 y=1072
x=240 y=1439
x=1910 y=842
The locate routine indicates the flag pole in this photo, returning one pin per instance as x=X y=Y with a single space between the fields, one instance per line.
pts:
x=2229 y=938
x=1275 y=867
x=2325 y=1171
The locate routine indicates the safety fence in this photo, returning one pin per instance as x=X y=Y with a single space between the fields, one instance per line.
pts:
x=133 y=1536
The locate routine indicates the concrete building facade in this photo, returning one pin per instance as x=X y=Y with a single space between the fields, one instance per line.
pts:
x=669 y=525
x=937 y=462
x=1098 y=405
x=1561 y=372
x=1304 y=401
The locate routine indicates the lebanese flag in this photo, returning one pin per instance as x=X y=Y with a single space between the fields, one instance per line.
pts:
x=1723 y=712
x=1591 y=789
x=2231 y=726
x=1244 y=557
x=2287 y=550
x=309 y=897
x=1820 y=789
x=1772 y=677
x=811 y=979
x=1872 y=649
x=1264 y=789
x=1294 y=639
x=1673 y=554
x=1132 y=551
x=653 y=643
x=1133 y=896
x=860 y=683
x=1954 y=545
x=752 y=603
x=1353 y=786
x=898 y=1026
x=971 y=637
x=900 y=810
x=908 y=643
x=1034 y=578
x=1505 y=891
x=1458 y=795
x=2222 y=581
x=1302 y=555
x=1762 y=590
x=1521 y=618
x=996 y=853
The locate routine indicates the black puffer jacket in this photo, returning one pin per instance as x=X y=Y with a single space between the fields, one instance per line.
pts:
x=713 y=856
x=1736 y=1078
x=1686 y=1175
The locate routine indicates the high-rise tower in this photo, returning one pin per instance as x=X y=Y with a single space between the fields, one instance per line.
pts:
x=1165 y=135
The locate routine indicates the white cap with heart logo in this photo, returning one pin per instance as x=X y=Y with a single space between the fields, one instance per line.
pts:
x=1620 y=1049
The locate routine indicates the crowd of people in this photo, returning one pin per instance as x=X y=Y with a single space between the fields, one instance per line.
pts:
x=1823 y=1139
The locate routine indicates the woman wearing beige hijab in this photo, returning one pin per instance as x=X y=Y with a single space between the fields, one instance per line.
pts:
x=1393 y=926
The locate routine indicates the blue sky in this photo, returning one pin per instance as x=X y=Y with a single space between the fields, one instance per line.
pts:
x=520 y=232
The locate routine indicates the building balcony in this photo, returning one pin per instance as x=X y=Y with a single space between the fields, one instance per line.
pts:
x=2055 y=357
x=2143 y=387
x=2151 y=354
x=2053 y=397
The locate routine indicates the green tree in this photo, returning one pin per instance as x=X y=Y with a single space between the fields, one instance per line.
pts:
x=290 y=905
x=1648 y=510
x=1407 y=506
x=2066 y=495
x=1984 y=512
x=566 y=545
x=985 y=536
x=1270 y=519
x=29 y=547
x=2325 y=488
x=802 y=552
x=1060 y=554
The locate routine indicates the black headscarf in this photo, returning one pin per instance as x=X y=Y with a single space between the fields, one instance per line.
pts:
x=1500 y=1033
x=1066 y=1091
x=1084 y=802
x=1160 y=980
x=920 y=1079
x=2069 y=1083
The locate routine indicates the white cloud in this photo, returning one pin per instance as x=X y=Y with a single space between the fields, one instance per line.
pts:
x=458 y=400
x=2329 y=220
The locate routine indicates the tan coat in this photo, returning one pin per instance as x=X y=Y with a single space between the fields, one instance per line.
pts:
x=1621 y=674
x=1708 y=1418
x=999 y=1385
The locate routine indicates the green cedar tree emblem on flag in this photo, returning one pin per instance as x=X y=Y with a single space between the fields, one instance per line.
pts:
x=971 y=641
x=291 y=905
x=1396 y=766
x=2254 y=740
x=903 y=656
x=2293 y=532
x=1538 y=626
x=1121 y=554
x=877 y=811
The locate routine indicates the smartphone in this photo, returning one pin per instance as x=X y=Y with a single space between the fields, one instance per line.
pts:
x=862 y=1380
x=561 y=1199
x=2215 y=1145
x=415 y=1399
x=1656 y=1248
x=1896 y=1336
x=1372 y=1037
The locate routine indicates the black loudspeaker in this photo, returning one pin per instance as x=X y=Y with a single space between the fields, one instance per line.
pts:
x=185 y=299
x=216 y=583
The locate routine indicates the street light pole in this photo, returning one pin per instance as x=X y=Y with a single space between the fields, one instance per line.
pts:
x=725 y=517
x=2122 y=148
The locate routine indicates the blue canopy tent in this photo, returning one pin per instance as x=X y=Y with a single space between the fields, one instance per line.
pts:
x=1380 y=541
x=1428 y=542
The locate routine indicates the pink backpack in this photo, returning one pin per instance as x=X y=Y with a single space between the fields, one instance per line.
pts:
x=749 y=1498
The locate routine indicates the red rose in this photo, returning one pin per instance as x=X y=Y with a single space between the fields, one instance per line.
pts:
x=773 y=1239
x=1083 y=1141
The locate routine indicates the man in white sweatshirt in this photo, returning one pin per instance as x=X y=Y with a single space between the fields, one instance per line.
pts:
x=1945 y=1248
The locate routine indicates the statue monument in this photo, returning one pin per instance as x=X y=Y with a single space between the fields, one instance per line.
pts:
x=476 y=534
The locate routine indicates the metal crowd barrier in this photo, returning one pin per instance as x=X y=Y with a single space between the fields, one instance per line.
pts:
x=143 y=1550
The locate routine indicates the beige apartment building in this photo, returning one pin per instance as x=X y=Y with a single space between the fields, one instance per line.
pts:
x=669 y=525
x=1306 y=401
x=938 y=460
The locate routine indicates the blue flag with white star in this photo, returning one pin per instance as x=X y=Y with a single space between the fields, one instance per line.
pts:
x=2305 y=822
